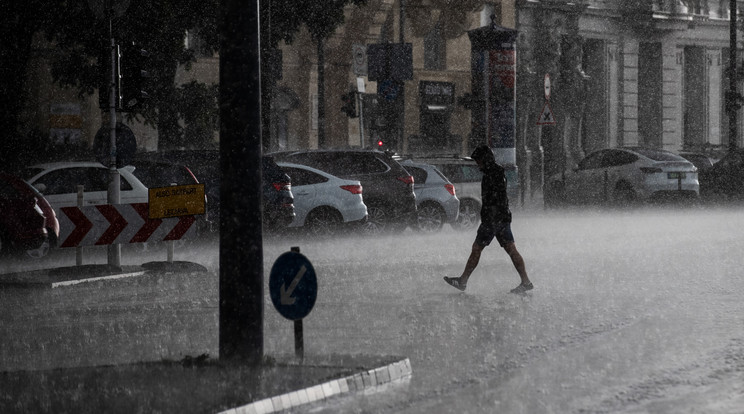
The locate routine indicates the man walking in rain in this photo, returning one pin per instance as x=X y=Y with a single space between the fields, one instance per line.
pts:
x=495 y=221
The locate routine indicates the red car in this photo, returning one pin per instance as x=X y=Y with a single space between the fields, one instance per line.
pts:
x=28 y=223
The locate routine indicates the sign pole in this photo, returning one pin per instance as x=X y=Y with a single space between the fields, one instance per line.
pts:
x=293 y=287
x=360 y=98
x=298 y=331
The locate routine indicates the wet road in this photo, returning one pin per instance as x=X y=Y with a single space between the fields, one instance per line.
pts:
x=632 y=312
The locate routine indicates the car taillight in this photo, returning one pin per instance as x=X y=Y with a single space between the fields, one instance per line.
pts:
x=408 y=179
x=353 y=189
x=450 y=188
x=282 y=186
x=651 y=170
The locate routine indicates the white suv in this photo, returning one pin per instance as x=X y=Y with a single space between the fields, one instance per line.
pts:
x=58 y=183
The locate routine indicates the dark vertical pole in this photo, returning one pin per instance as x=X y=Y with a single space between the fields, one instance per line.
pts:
x=733 y=101
x=321 y=93
x=267 y=78
x=402 y=94
x=241 y=249
x=299 y=335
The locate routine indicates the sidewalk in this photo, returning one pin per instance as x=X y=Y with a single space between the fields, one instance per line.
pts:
x=200 y=385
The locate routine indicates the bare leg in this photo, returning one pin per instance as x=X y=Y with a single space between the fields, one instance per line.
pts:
x=472 y=263
x=518 y=262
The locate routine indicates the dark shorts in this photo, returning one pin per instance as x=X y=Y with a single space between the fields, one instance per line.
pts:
x=501 y=231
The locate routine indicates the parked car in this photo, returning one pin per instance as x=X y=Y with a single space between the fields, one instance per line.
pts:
x=205 y=164
x=51 y=224
x=23 y=225
x=464 y=173
x=388 y=187
x=58 y=183
x=624 y=175
x=725 y=178
x=701 y=161
x=155 y=174
x=324 y=202
x=436 y=199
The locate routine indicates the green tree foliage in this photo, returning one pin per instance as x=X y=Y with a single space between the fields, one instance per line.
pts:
x=159 y=27
x=320 y=17
x=19 y=21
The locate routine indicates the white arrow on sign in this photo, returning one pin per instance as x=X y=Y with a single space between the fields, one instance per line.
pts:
x=286 y=293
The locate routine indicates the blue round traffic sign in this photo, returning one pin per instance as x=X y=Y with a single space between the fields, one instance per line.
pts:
x=293 y=285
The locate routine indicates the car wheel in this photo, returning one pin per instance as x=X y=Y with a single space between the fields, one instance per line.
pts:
x=430 y=218
x=469 y=215
x=624 y=195
x=323 y=222
x=40 y=251
x=378 y=221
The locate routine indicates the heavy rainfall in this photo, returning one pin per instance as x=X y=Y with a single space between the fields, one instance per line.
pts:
x=227 y=206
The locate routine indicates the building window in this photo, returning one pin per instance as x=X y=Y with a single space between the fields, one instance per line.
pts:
x=435 y=50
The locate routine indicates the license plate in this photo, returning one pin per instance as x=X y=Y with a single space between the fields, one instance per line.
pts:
x=675 y=175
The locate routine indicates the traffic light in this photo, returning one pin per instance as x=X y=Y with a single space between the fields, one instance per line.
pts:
x=104 y=75
x=134 y=76
x=349 y=104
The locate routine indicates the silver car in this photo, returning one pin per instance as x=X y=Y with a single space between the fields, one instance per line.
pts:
x=621 y=176
x=465 y=175
x=322 y=201
x=436 y=199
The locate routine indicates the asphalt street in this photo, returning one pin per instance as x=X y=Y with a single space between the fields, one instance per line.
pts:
x=633 y=311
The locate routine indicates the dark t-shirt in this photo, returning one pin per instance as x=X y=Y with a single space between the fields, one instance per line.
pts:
x=495 y=206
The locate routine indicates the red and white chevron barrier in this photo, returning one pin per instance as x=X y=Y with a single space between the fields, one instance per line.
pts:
x=118 y=224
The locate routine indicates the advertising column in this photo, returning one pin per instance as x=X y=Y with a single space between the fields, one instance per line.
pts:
x=493 y=71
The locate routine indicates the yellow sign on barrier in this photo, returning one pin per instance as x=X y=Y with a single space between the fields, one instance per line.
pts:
x=177 y=201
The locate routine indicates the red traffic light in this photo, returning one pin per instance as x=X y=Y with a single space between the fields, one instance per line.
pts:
x=380 y=143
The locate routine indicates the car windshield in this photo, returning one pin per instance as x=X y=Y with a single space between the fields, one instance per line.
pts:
x=658 y=155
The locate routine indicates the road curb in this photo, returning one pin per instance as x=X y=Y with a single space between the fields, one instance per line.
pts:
x=74 y=275
x=352 y=383
x=96 y=279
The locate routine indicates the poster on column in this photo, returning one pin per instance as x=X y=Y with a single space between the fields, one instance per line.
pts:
x=501 y=97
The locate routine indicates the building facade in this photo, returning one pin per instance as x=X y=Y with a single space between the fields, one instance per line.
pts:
x=624 y=73
x=655 y=75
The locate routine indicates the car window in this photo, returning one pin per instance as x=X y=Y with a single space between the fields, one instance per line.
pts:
x=300 y=176
x=658 y=155
x=342 y=163
x=419 y=174
x=615 y=158
x=162 y=175
x=452 y=172
x=592 y=161
x=471 y=173
x=366 y=164
x=66 y=180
